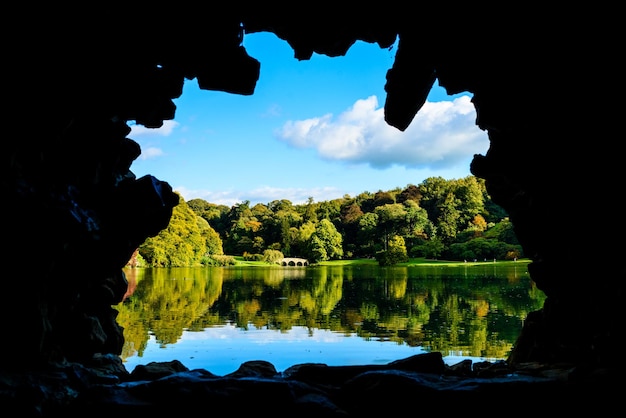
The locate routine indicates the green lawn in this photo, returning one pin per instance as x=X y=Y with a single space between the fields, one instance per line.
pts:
x=412 y=262
x=420 y=261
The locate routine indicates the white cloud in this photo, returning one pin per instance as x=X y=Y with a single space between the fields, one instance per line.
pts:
x=151 y=152
x=228 y=198
x=294 y=195
x=146 y=138
x=263 y=195
x=141 y=131
x=442 y=135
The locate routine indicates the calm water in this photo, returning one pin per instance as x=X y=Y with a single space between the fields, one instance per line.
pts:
x=216 y=318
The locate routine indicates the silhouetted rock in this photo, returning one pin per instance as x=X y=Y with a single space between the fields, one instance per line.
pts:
x=541 y=83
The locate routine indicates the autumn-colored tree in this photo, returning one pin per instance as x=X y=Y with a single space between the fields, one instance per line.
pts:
x=430 y=217
x=411 y=192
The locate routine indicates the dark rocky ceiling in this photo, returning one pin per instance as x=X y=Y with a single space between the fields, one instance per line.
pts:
x=543 y=82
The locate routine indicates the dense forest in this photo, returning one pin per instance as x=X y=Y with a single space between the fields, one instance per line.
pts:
x=436 y=219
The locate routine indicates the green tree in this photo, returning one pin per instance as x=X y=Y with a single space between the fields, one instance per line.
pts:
x=330 y=209
x=366 y=201
x=215 y=215
x=181 y=244
x=383 y=198
x=503 y=231
x=417 y=222
x=367 y=234
x=309 y=211
x=392 y=218
x=272 y=256
x=243 y=228
x=451 y=205
x=277 y=219
x=433 y=248
x=325 y=243
x=453 y=211
x=395 y=253
x=350 y=215
x=212 y=238
x=469 y=200
x=433 y=190
x=493 y=213
x=301 y=237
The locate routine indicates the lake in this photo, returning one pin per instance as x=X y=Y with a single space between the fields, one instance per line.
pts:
x=216 y=318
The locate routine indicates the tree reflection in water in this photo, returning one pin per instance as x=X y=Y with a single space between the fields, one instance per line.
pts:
x=219 y=317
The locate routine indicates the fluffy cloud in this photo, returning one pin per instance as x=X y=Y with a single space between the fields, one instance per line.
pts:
x=146 y=137
x=264 y=194
x=441 y=136
x=165 y=130
x=151 y=152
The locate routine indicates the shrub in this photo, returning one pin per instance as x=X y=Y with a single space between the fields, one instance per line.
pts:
x=218 y=260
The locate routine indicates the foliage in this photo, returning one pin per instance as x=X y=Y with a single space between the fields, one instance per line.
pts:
x=432 y=249
x=325 y=242
x=503 y=231
x=395 y=253
x=180 y=244
x=450 y=307
x=272 y=256
x=454 y=219
x=219 y=260
x=212 y=238
x=252 y=257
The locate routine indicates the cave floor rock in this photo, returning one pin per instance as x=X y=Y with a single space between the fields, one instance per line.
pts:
x=105 y=388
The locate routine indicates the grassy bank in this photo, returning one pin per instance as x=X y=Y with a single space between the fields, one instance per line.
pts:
x=422 y=262
x=412 y=262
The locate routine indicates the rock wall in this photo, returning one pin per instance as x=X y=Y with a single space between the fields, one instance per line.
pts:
x=541 y=82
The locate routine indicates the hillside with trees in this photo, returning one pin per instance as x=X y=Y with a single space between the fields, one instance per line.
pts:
x=436 y=219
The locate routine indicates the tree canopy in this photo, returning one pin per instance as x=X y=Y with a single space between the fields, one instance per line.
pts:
x=438 y=218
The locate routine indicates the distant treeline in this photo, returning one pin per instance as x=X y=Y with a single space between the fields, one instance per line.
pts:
x=438 y=219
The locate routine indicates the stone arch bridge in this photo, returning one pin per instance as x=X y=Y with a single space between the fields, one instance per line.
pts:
x=293 y=261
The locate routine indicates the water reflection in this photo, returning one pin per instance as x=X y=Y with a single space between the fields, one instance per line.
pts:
x=469 y=311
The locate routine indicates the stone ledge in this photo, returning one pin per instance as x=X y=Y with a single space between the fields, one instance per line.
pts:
x=419 y=382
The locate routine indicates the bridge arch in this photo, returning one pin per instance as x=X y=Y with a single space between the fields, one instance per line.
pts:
x=294 y=262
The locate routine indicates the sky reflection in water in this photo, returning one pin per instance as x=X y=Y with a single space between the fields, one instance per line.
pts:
x=221 y=350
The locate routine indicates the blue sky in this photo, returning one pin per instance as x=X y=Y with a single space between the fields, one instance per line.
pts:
x=313 y=128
